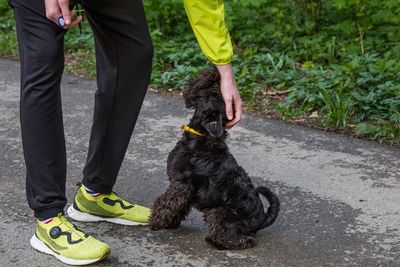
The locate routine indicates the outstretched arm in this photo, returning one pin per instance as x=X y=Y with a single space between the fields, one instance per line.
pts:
x=207 y=19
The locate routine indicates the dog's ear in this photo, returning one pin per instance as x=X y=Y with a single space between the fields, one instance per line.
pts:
x=189 y=97
x=206 y=79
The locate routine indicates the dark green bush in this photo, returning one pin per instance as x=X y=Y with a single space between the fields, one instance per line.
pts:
x=338 y=59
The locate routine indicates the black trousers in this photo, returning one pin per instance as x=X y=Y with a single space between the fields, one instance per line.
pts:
x=123 y=55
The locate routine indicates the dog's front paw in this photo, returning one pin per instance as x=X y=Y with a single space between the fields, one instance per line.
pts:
x=215 y=242
x=155 y=224
x=173 y=225
x=242 y=242
x=154 y=227
x=158 y=224
x=246 y=242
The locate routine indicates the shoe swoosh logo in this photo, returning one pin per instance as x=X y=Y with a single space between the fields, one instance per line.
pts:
x=69 y=238
x=56 y=232
x=92 y=207
x=111 y=202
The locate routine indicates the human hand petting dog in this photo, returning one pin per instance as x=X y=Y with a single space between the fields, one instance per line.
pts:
x=230 y=93
x=57 y=8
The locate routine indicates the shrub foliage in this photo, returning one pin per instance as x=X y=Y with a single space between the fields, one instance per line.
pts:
x=334 y=63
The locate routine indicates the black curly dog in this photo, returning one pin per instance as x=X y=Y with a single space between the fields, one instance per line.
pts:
x=203 y=174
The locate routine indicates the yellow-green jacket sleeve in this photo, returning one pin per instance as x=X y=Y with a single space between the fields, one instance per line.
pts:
x=207 y=19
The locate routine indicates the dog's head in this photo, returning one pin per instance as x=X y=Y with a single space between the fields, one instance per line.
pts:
x=204 y=96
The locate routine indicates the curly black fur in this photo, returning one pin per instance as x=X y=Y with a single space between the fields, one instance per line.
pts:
x=203 y=174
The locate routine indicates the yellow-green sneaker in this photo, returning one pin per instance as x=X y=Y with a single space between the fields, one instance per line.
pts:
x=63 y=240
x=108 y=208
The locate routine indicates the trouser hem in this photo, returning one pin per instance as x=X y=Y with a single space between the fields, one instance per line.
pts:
x=48 y=212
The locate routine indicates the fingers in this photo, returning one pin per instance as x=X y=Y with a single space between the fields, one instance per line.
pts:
x=75 y=20
x=230 y=93
x=238 y=110
x=53 y=10
x=57 y=8
x=66 y=13
x=237 y=104
x=229 y=108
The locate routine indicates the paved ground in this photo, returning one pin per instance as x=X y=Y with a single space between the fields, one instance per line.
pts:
x=340 y=196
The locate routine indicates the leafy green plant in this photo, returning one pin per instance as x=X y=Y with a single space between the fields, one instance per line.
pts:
x=337 y=59
x=336 y=109
x=8 y=39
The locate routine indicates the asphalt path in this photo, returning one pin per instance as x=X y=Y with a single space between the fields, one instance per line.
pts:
x=340 y=196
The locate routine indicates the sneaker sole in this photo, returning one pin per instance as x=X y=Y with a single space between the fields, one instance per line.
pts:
x=85 y=217
x=37 y=244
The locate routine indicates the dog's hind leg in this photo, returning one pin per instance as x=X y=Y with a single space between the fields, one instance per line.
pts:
x=223 y=234
x=171 y=207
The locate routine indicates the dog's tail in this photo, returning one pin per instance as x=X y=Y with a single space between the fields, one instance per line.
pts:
x=273 y=209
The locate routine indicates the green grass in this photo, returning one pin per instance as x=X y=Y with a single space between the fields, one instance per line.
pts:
x=329 y=64
x=8 y=39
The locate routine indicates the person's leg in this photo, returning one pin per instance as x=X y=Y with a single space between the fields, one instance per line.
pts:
x=124 y=54
x=42 y=62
